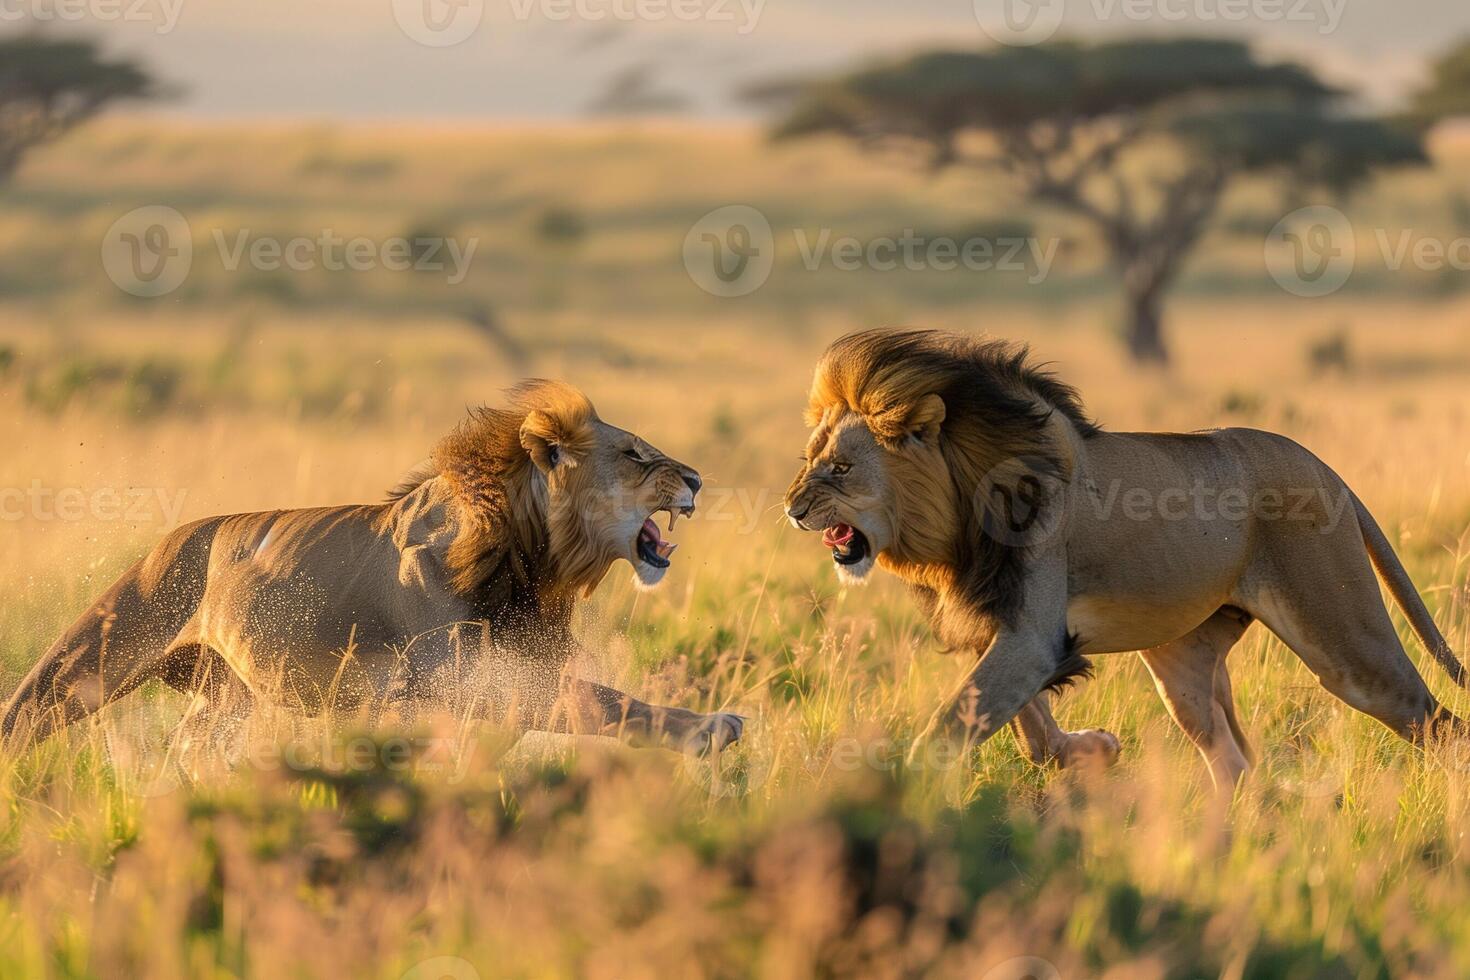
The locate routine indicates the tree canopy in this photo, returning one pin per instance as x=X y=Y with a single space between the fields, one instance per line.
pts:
x=1447 y=95
x=48 y=86
x=1060 y=116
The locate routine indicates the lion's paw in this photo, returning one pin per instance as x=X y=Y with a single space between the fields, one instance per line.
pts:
x=714 y=733
x=1091 y=748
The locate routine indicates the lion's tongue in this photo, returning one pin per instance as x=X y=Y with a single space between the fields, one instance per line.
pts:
x=651 y=534
x=837 y=536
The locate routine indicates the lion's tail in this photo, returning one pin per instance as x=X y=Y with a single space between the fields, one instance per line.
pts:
x=1404 y=593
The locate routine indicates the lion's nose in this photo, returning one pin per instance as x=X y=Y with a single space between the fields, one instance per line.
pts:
x=796 y=511
x=693 y=481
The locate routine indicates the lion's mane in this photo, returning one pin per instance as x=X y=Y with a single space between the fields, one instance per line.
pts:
x=998 y=442
x=500 y=553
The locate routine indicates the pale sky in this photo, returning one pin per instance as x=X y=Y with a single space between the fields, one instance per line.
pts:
x=550 y=58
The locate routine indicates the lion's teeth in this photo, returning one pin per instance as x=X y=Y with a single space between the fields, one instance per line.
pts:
x=672 y=518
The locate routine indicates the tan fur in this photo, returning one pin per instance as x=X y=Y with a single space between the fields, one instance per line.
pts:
x=465 y=578
x=1033 y=537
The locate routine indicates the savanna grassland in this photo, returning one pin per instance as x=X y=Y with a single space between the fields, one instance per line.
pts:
x=142 y=845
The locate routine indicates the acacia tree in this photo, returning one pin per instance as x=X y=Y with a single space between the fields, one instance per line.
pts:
x=48 y=87
x=1447 y=96
x=1139 y=139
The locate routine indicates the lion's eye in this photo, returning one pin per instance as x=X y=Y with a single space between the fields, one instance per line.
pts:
x=633 y=455
x=841 y=469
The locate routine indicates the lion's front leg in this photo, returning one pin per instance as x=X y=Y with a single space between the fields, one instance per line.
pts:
x=586 y=708
x=1028 y=654
x=1045 y=743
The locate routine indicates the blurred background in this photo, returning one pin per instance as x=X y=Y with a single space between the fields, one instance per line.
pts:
x=263 y=255
x=343 y=220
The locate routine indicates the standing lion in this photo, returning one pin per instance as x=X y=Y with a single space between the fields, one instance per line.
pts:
x=1033 y=538
x=470 y=569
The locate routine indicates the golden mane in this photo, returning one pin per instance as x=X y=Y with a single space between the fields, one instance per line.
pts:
x=997 y=438
x=503 y=535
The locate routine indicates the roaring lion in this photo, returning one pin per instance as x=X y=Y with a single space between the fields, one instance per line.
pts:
x=471 y=568
x=1033 y=538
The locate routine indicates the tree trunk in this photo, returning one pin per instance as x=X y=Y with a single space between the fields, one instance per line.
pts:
x=1145 y=329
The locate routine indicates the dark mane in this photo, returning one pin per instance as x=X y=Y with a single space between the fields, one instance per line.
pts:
x=1012 y=363
x=1003 y=453
x=873 y=370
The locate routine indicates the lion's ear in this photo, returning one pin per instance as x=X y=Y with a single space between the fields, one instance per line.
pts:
x=543 y=439
x=906 y=423
x=924 y=419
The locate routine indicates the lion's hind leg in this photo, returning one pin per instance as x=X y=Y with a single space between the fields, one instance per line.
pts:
x=1355 y=652
x=1188 y=674
x=113 y=648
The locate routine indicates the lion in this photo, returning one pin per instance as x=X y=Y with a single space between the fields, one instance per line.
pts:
x=472 y=566
x=1035 y=539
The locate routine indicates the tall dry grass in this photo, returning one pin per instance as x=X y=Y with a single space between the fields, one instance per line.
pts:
x=164 y=841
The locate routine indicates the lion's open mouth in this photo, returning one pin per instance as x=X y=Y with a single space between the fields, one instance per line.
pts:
x=651 y=546
x=848 y=544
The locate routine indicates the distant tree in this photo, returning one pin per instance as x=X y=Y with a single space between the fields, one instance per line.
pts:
x=48 y=87
x=1140 y=139
x=1447 y=95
